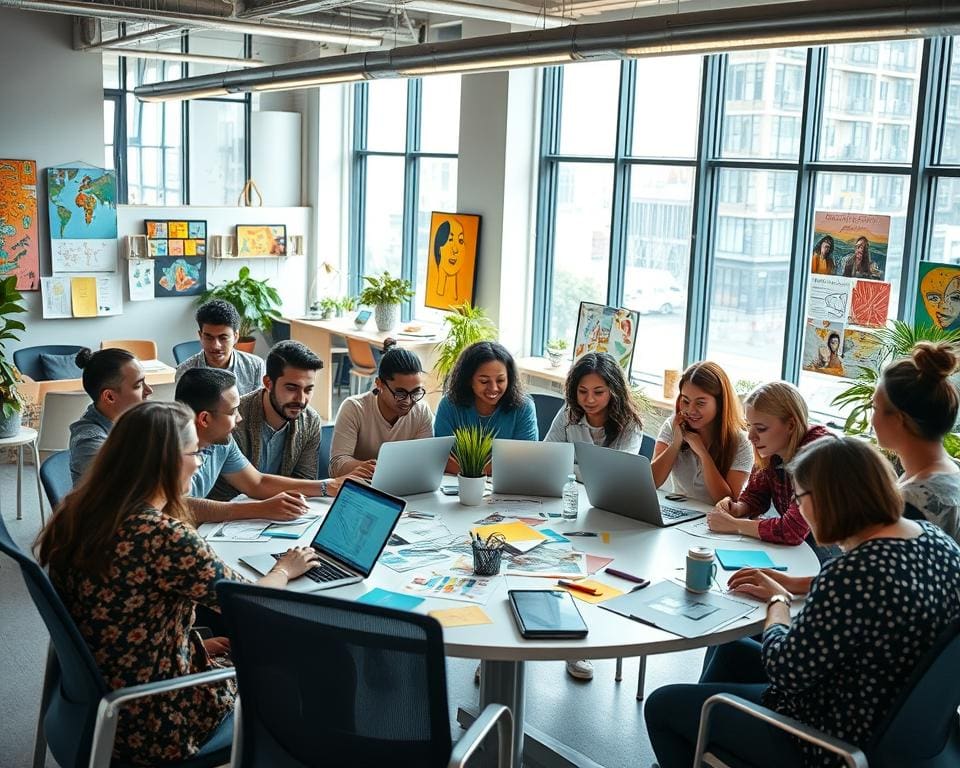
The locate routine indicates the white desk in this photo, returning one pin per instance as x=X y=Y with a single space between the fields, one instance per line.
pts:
x=636 y=548
x=317 y=334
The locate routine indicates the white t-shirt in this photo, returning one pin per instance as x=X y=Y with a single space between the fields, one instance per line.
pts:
x=687 y=472
x=563 y=431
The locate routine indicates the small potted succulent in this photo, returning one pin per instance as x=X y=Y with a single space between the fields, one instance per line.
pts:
x=385 y=294
x=11 y=415
x=556 y=351
x=473 y=446
x=346 y=304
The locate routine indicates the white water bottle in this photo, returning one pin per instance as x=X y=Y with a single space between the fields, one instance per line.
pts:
x=571 y=498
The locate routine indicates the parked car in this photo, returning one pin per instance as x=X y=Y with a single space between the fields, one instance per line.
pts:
x=656 y=291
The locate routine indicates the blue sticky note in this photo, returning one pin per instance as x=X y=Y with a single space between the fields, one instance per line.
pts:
x=388 y=599
x=554 y=536
x=732 y=559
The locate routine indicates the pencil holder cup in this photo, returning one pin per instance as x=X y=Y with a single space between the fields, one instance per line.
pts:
x=486 y=560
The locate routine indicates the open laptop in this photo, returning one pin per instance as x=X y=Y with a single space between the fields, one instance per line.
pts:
x=408 y=467
x=531 y=468
x=623 y=483
x=349 y=540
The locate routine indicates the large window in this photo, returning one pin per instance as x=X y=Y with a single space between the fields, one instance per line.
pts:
x=406 y=140
x=703 y=232
x=175 y=153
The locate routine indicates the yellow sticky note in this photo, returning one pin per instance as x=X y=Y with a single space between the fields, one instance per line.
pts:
x=510 y=532
x=83 y=292
x=605 y=537
x=177 y=230
x=605 y=590
x=461 y=617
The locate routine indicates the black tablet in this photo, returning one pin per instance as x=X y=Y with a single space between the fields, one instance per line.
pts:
x=546 y=613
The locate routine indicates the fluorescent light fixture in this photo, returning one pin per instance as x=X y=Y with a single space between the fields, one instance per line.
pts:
x=785 y=40
x=491 y=64
x=195 y=58
x=197 y=94
x=485 y=12
x=306 y=82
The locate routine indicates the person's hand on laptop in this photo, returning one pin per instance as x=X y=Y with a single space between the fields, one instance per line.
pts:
x=363 y=471
x=295 y=562
x=284 y=506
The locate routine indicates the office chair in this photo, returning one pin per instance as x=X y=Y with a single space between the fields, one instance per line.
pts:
x=323 y=451
x=547 y=407
x=142 y=349
x=378 y=698
x=185 y=349
x=78 y=712
x=921 y=729
x=56 y=478
x=363 y=364
x=28 y=362
x=60 y=410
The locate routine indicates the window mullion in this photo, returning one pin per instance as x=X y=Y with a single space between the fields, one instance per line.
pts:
x=358 y=187
x=621 y=184
x=411 y=188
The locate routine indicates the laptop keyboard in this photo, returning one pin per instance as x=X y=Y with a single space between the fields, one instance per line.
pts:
x=673 y=513
x=324 y=572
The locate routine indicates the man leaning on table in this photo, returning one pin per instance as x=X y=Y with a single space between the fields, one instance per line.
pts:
x=213 y=396
x=277 y=430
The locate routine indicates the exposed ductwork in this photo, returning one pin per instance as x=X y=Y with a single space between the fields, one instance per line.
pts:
x=474 y=11
x=817 y=22
x=291 y=30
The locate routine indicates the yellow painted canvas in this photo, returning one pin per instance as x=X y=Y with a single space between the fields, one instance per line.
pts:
x=261 y=240
x=451 y=259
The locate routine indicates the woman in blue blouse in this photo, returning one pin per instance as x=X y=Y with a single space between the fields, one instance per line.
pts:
x=484 y=389
x=869 y=618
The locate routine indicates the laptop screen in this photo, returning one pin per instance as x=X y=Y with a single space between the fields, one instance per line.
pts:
x=358 y=525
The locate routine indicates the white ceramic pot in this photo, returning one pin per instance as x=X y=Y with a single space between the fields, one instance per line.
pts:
x=556 y=358
x=10 y=425
x=471 y=490
x=387 y=316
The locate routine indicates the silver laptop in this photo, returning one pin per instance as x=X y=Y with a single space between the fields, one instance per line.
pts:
x=408 y=467
x=623 y=483
x=532 y=468
x=349 y=541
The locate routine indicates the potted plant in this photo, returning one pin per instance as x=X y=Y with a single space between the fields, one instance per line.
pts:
x=11 y=416
x=473 y=447
x=346 y=304
x=385 y=294
x=256 y=302
x=466 y=325
x=327 y=307
x=556 y=349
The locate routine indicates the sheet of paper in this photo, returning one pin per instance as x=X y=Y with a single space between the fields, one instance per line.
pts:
x=596 y=562
x=109 y=295
x=387 y=599
x=407 y=558
x=554 y=561
x=471 y=589
x=56 y=297
x=235 y=530
x=467 y=616
x=605 y=590
x=83 y=295
x=699 y=528
x=513 y=532
x=88 y=255
x=140 y=279
x=516 y=505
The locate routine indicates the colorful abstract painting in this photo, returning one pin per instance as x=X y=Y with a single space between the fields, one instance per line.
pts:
x=176 y=238
x=850 y=244
x=869 y=303
x=938 y=296
x=860 y=351
x=823 y=347
x=261 y=240
x=19 y=249
x=179 y=276
x=451 y=259
x=606 y=329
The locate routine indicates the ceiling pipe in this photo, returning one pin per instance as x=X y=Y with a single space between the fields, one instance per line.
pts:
x=149 y=35
x=473 y=11
x=289 y=30
x=813 y=22
x=193 y=58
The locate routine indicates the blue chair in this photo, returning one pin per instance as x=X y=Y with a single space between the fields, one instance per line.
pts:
x=647 y=444
x=921 y=729
x=78 y=712
x=28 y=361
x=379 y=698
x=547 y=407
x=56 y=478
x=323 y=451
x=185 y=349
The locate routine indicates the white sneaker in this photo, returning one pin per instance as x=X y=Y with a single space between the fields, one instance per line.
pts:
x=580 y=669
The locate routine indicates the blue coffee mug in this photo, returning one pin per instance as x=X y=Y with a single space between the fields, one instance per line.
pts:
x=700 y=573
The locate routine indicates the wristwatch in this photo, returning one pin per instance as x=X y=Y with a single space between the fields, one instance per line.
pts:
x=779 y=598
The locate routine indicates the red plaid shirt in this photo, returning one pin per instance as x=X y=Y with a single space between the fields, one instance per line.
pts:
x=772 y=484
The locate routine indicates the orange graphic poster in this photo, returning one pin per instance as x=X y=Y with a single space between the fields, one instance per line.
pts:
x=451 y=259
x=19 y=248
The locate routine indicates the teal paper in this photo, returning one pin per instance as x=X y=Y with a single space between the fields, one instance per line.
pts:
x=388 y=599
x=732 y=559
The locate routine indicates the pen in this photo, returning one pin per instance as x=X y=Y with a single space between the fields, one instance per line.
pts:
x=625 y=575
x=580 y=533
x=578 y=587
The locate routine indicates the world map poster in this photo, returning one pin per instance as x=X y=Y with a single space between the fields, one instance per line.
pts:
x=83 y=203
x=19 y=249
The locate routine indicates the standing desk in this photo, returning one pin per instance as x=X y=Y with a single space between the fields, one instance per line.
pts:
x=638 y=548
x=318 y=335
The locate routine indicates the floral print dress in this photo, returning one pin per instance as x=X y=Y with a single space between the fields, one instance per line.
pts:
x=136 y=621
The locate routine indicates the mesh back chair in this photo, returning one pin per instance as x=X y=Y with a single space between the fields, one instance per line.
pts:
x=921 y=729
x=378 y=697
x=363 y=365
x=28 y=362
x=78 y=712
x=60 y=410
x=323 y=451
x=142 y=349
x=56 y=478
x=547 y=407
x=185 y=349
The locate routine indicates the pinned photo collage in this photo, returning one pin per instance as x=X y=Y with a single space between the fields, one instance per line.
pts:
x=178 y=248
x=847 y=294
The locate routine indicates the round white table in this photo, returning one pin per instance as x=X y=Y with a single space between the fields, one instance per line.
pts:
x=637 y=548
x=26 y=436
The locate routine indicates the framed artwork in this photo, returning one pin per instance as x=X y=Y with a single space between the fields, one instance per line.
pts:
x=19 y=248
x=606 y=329
x=179 y=276
x=176 y=237
x=938 y=296
x=850 y=244
x=451 y=259
x=261 y=240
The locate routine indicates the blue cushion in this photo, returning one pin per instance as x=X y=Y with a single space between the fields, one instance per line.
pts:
x=60 y=366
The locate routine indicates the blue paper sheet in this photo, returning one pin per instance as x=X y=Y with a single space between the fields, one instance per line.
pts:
x=389 y=599
x=733 y=559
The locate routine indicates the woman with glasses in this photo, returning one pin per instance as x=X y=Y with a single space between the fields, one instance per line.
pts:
x=131 y=569
x=393 y=410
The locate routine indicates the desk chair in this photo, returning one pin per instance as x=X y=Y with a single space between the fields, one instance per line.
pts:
x=378 y=698
x=142 y=349
x=323 y=451
x=28 y=362
x=185 y=349
x=363 y=365
x=60 y=410
x=547 y=407
x=56 y=478
x=78 y=712
x=921 y=729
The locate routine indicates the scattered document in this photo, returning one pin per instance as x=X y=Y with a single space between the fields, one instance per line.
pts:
x=404 y=558
x=468 y=615
x=140 y=279
x=471 y=589
x=605 y=591
x=56 y=297
x=554 y=561
x=518 y=536
x=699 y=528
x=387 y=599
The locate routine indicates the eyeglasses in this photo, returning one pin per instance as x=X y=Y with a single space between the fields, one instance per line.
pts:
x=797 y=496
x=415 y=396
x=200 y=455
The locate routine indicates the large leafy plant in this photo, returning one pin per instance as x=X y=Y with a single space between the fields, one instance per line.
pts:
x=895 y=341
x=255 y=301
x=385 y=290
x=466 y=325
x=473 y=446
x=10 y=299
